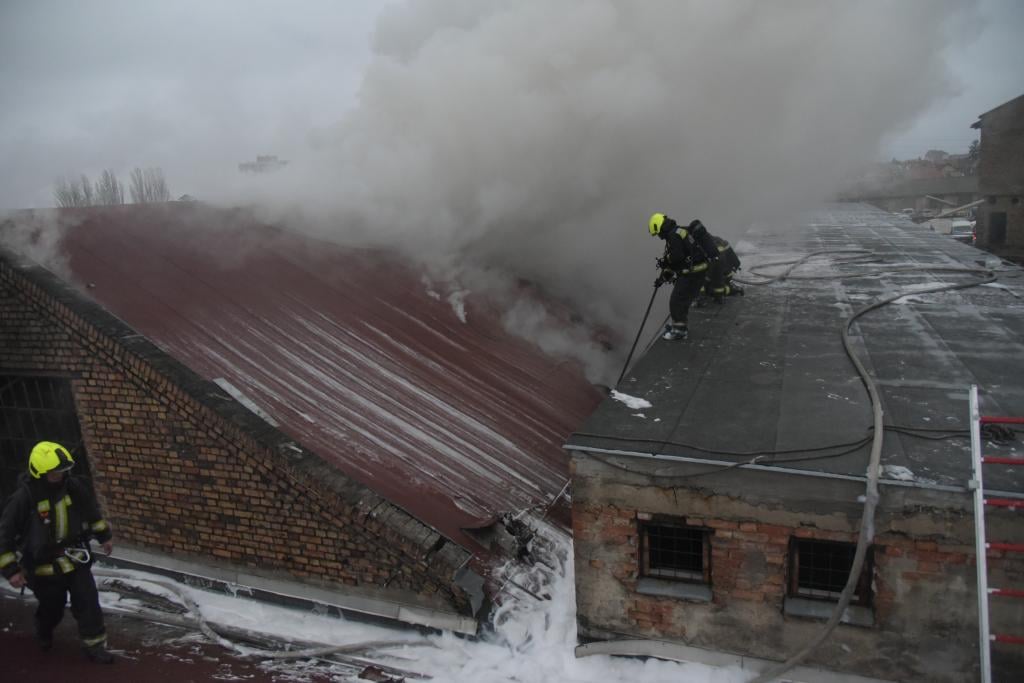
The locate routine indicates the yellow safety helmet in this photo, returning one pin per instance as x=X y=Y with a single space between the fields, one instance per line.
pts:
x=48 y=456
x=654 y=225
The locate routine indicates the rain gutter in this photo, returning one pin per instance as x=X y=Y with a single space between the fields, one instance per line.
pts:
x=732 y=465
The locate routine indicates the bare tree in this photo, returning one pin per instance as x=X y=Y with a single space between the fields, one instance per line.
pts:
x=62 y=192
x=137 y=186
x=109 y=189
x=86 y=187
x=157 y=185
x=148 y=185
x=72 y=192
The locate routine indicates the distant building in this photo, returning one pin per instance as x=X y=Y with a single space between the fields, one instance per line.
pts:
x=263 y=164
x=936 y=156
x=921 y=194
x=1001 y=178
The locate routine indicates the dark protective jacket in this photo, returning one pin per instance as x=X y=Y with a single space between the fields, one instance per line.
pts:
x=40 y=521
x=688 y=249
x=730 y=261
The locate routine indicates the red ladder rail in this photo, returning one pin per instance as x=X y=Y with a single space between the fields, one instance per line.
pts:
x=1009 y=547
x=991 y=420
x=982 y=546
x=1010 y=503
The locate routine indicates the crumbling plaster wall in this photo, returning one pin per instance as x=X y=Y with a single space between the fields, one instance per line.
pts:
x=924 y=608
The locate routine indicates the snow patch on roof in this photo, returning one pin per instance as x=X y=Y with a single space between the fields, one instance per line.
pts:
x=631 y=401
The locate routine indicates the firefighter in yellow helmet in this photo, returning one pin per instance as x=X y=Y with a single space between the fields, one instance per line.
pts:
x=689 y=252
x=45 y=531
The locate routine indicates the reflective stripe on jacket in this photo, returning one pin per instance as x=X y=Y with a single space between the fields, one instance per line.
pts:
x=40 y=522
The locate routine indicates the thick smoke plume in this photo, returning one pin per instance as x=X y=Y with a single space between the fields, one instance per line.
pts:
x=502 y=141
x=537 y=137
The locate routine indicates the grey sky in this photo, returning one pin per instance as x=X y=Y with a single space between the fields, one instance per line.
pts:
x=987 y=60
x=196 y=87
x=498 y=140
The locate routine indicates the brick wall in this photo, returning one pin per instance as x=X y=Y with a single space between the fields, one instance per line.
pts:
x=1014 y=211
x=1001 y=160
x=923 y=611
x=180 y=469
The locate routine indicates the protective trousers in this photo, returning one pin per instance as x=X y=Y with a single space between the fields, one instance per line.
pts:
x=52 y=593
x=684 y=291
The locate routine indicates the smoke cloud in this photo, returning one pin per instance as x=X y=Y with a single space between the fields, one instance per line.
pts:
x=537 y=137
x=498 y=141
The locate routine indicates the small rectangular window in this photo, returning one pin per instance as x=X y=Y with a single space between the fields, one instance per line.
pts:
x=820 y=569
x=34 y=409
x=675 y=551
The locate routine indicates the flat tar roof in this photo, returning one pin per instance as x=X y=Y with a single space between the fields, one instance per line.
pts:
x=766 y=374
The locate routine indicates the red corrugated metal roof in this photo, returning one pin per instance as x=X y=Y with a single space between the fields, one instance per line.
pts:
x=456 y=422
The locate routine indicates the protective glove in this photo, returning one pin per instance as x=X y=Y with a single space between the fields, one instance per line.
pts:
x=667 y=275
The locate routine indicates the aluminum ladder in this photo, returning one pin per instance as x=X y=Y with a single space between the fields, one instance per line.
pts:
x=982 y=545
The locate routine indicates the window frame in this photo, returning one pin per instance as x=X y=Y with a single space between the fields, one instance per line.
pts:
x=863 y=595
x=37 y=406
x=682 y=575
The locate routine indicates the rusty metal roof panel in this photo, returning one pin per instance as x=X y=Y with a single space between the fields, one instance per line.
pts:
x=349 y=351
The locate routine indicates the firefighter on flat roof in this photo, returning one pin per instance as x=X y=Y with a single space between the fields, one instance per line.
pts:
x=721 y=273
x=689 y=253
x=49 y=521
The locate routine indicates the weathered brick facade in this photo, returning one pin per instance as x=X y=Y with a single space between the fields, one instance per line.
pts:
x=923 y=613
x=183 y=469
x=1001 y=178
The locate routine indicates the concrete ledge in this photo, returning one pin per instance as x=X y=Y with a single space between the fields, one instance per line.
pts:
x=697 y=592
x=855 y=615
x=350 y=604
x=678 y=652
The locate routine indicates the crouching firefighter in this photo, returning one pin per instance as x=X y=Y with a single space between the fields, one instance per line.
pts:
x=689 y=252
x=722 y=271
x=49 y=521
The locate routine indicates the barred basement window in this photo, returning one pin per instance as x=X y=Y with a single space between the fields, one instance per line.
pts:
x=675 y=551
x=820 y=569
x=34 y=409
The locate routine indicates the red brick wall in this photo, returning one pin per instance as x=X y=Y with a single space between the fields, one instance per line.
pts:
x=178 y=477
x=920 y=585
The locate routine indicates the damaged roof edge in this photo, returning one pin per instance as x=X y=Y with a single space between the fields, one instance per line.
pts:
x=321 y=476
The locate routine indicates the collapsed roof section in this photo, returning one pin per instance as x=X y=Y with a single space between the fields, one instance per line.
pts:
x=347 y=351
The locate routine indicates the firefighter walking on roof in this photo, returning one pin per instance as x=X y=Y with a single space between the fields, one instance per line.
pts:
x=45 y=530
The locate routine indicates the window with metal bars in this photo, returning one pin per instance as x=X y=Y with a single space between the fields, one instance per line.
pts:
x=820 y=569
x=34 y=409
x=675 y=551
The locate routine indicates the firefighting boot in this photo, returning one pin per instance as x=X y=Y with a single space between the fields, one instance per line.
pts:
x=98 y=653
x=675 y=332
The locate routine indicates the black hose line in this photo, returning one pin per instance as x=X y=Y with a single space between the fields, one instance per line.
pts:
x=876 y=431
x=637 y=339
x=867 y=523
